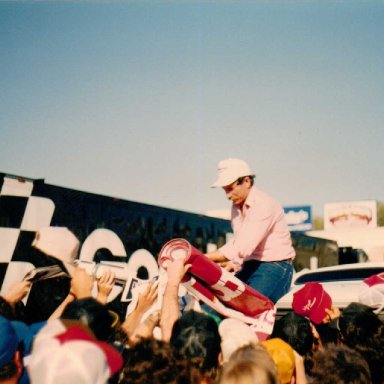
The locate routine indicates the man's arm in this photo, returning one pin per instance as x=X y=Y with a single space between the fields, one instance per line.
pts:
x=216 y=256
x=170 y=307
x=144 y=302
x=81 y=287
x=221 y=260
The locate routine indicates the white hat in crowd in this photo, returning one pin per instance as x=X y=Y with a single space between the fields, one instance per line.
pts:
x=230 y=170
x=372 y=293
x=58 y=242
x=235 y=334
x=63 y=354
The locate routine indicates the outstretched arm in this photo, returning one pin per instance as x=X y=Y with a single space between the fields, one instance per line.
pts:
x=81 y=287
x=170 y=308
x=144 y=302
x=216 y=256
x=300 y=377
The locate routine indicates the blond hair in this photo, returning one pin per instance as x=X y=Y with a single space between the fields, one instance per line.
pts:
x=250 y=364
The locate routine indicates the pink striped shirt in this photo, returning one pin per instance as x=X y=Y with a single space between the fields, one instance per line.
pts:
x=260 y=231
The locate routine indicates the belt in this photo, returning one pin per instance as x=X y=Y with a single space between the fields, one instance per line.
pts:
x=289 y=261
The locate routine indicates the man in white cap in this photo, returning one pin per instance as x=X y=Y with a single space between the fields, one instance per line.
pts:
x=261 y=251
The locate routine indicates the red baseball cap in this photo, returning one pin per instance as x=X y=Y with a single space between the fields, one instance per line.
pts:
x=311 y=301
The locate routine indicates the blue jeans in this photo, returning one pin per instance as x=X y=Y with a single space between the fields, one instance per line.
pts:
x=272 y=279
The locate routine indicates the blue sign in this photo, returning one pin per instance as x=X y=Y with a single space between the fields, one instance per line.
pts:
x=299 y=218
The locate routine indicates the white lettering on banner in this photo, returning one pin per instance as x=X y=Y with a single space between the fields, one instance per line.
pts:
x=102 y=238
x=143 y=259
x=124 y=271
x=227 y=292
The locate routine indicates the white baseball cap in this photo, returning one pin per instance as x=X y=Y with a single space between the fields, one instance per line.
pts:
x=235 y=334
x=229 y=170
x=372 y=293
x=73 y=355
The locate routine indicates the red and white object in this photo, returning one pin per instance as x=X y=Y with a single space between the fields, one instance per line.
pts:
x=220 y=289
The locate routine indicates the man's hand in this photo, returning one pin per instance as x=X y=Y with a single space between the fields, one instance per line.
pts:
x=105 y=285
x=148 y=297
x=145 y=328
x=216 y=256
x=332 y=314
x=176 y=270
x=220 y=259
x=81 y=283
x=228 y=266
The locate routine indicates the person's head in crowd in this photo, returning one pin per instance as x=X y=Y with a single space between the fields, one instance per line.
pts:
x=283 y=356
x=235 y=334
x=11 y=366
x=362 y=330
x=299 y=333
x=68 y=352
x=326 y=335
x=250 y=364
x=152 y=361
x=372 y=292
x=296 y=331
x=195 y=336
x=312 y=301
x=93 y=314
x=9 y=329
x=342 y=365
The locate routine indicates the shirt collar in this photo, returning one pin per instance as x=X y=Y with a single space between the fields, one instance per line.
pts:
x=251 y=198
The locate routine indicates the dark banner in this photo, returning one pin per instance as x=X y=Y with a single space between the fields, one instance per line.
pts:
x=123 y=234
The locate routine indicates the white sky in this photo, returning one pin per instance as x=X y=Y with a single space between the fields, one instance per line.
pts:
x=140 y=100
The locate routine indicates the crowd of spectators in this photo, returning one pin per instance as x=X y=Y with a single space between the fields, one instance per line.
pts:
x=84 y=341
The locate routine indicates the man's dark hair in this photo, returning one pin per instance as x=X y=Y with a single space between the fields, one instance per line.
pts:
x=240 y=180
x=149 y=361
x=93 y=314
x=195 y=336
x=153 y=361
x=296 y=331
x=340 y=364
x=363 y=331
